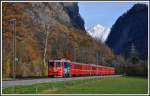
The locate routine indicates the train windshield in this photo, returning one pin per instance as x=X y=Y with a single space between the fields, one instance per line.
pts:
x=66 y=64
x=58 y=64
x=51 y=64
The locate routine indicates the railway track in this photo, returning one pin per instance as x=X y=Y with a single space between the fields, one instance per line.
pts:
x=8 y=83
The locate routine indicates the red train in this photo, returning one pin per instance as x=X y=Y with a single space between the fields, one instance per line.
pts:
x=66 y=68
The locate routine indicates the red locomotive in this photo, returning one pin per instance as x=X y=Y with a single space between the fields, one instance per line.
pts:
x=66 y=68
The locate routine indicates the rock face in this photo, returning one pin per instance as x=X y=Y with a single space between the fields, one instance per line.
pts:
x=131 y=27
x=66 y=13
x=73 y=11
x=99 y=32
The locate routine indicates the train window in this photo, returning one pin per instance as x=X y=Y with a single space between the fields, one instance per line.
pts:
x=58 y=64
x=93 y=68
x=51 y=64
x=76 y=67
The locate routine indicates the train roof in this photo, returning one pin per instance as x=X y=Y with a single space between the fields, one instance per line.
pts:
x=59 y=60
x=78 y=63
x=91 y=64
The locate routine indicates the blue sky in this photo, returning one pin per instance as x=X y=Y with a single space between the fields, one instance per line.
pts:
x=104 y=13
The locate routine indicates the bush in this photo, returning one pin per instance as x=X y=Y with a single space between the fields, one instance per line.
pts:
x=136 y=70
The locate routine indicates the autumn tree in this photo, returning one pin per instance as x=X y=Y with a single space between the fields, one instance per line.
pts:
x=12 y=11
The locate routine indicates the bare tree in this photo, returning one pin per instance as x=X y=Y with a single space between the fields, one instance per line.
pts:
x=45 y=44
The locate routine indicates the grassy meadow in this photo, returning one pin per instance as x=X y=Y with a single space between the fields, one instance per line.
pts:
x=113 y=85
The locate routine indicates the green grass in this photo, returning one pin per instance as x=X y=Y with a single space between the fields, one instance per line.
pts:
x=113 y=85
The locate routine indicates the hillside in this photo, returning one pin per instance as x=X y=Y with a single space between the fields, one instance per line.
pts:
x=46 y=31
x=130 y=28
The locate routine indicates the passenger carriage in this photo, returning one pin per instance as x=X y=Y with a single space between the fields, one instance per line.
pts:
x=66 y=68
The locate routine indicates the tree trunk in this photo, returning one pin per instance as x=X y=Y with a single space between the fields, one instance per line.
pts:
x=45 y=48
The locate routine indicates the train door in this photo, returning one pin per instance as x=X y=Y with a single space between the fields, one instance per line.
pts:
x=58 y=68
x=51 y=68
x=66 y=69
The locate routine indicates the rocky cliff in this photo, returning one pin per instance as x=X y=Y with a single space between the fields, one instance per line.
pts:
x=130 y=28
x=66 y=13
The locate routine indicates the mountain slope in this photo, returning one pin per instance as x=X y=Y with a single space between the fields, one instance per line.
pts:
x=99 y=32
x=131 y=27
x=46 y=31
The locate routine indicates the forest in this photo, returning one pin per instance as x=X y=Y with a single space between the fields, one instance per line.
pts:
x=44 y=33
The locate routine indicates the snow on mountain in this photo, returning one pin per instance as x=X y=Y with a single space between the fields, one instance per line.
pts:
x=99 y=32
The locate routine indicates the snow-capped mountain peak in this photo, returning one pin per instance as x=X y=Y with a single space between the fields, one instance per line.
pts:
x=99 y=32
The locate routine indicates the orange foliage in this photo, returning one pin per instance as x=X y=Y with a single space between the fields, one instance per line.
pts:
x=14 y=11
x=69 y=54
x=32 y=53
